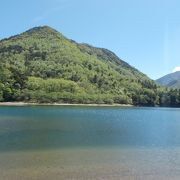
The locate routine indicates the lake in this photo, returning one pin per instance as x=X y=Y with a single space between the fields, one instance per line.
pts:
x=71 y=142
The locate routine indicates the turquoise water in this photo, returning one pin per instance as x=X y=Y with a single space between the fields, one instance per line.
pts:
x=66 y=142
x=26 y=128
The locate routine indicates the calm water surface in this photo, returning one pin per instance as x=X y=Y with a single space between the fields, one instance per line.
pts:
x=89 y=143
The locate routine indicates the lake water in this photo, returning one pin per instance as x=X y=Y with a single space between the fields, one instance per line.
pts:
x=56 y=142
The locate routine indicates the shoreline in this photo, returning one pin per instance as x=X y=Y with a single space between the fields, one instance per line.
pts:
x=61 y=104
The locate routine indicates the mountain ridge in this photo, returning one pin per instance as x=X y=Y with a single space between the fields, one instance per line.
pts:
x=171 y=80
x=48 y=29
x=42 y=65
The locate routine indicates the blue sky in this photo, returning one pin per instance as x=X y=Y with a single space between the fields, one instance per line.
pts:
x=144 y=33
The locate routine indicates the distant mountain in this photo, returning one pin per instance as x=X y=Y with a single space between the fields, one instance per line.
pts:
x=42 y=65
x=171 y=80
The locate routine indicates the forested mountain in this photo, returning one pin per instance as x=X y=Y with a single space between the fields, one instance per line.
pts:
x=41 y=65
x=171 y=80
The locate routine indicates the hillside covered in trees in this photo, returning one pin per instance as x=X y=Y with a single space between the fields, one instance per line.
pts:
x=41 y=65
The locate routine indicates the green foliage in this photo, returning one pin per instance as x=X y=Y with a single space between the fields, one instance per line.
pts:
x=170 y=97
x=41 y=65
x=1 y=92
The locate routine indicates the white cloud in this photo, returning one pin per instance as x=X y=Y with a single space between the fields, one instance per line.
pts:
x=176 y=69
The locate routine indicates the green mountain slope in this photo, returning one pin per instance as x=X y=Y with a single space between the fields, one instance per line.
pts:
x=41 y=65
x=171 y=80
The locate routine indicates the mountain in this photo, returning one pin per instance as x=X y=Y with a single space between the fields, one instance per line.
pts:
x=42 y=65
x=171 y=80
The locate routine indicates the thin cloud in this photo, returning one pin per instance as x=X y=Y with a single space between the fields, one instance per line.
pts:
x=58 y=5
x=176 y=69
x=38 y=18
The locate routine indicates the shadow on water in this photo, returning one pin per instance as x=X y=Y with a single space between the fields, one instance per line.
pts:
x=29 y=128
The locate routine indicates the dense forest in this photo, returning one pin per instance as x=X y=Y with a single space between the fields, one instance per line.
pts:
x=41 y=65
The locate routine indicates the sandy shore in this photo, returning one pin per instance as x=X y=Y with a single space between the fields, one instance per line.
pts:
x=60 y=104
